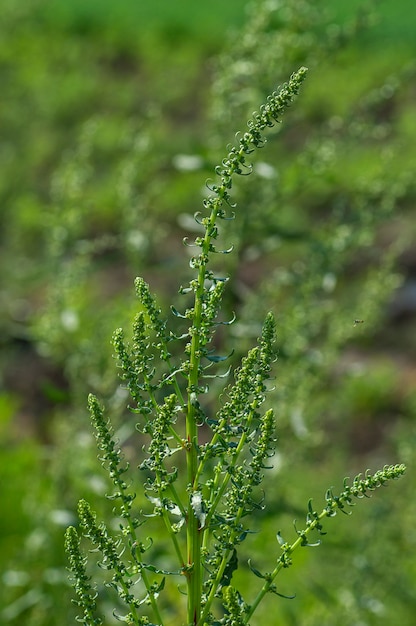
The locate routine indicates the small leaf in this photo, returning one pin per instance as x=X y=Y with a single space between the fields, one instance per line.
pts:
x=244 y=534
x=225 y=375
x=217 y=358
x=227 y=251
x=230 y=568
x=310 y=508
x=255 y=571
x=312 y=545
x=176 y=313
x=281 y=595
x=280 y=538
x=122 y=618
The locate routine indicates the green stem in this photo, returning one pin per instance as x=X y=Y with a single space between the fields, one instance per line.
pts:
x=221 y=569
x=143 y=573
x=358 y=489
x=231 y=165
x=226 y=479
x=194 y=534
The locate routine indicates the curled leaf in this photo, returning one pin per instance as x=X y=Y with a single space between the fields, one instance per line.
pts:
x=255 y=571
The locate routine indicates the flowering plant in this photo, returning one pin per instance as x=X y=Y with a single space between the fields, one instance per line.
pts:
x=201 y=468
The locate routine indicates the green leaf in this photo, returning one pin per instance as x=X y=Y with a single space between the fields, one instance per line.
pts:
x=256 y=571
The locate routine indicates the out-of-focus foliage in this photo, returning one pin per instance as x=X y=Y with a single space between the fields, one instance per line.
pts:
x=112 y=115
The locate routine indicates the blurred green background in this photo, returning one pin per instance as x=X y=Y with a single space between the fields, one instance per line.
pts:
x=112 y=117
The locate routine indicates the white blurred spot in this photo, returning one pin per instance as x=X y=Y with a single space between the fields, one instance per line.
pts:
x=265 y=170
x=70 y=320
x=187 y=162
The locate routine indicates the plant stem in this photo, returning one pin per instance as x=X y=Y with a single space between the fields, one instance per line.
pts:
x=194 y=535
x=358 y=489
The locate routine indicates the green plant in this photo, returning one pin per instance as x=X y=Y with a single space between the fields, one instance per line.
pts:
x=203 y=464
